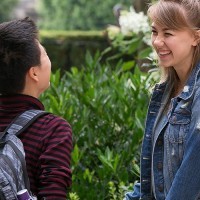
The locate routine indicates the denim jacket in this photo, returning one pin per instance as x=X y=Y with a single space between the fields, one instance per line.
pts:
x=180 y=145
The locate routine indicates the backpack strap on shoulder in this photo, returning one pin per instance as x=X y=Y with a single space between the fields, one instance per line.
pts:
x=18 y=125
x=22 y=121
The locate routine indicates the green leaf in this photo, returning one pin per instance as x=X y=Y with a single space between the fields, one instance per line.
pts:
x=128 y=65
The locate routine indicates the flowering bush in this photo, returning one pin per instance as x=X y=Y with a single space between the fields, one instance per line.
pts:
x=132 y=39
x=132 y=22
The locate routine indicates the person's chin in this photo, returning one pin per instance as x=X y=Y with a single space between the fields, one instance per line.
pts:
x=164 y=64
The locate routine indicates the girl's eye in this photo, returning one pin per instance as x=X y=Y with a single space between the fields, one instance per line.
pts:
x=154 y=32
x=168 y=34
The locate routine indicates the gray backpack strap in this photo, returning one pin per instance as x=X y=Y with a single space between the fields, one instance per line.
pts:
x=18 y=125
x=22 y=121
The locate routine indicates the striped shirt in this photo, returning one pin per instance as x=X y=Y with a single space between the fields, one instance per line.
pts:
x=47 y=144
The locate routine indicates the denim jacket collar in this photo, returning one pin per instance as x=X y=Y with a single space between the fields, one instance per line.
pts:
x=190 y=84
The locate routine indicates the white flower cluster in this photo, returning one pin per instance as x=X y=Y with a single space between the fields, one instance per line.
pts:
x=132 y=22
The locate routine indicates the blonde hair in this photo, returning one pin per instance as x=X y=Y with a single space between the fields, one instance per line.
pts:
x=177 y=15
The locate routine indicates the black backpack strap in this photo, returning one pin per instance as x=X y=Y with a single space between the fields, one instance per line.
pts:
x=22 y=121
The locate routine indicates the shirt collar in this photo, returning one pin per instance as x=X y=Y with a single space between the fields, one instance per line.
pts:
x=20 y=102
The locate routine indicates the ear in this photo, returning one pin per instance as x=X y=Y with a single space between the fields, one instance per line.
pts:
x=32 y=72
x=197 y=38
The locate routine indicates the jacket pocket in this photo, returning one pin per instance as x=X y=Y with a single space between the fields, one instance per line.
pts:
x=175 y=135
x=178 y=127
x=179 y=122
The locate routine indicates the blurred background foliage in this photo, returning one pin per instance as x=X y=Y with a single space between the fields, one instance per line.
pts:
x=6 y=9
x=77 y=14
x=69 y=14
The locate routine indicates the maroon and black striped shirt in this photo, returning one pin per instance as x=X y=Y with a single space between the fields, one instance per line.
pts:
x=47 y=144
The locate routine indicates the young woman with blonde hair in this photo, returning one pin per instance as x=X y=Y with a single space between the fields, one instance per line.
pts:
x=170 y=157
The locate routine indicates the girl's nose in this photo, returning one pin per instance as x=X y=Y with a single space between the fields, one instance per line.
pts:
x=158 y=41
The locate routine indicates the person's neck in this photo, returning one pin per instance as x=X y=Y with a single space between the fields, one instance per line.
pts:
x=178 y=87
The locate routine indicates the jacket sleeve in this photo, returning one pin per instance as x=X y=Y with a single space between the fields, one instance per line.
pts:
x=135 y=194
x=186 y=184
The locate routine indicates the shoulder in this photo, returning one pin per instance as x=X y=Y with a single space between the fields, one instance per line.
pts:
x=53 y=125
x=52 y=119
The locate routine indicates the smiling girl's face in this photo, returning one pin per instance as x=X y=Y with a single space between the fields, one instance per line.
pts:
x=175 y=48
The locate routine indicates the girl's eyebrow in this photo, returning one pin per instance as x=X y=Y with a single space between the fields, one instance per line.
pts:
x=164 y=29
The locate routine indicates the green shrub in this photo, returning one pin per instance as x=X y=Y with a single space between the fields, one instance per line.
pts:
x=64 y=46
x=106 y=107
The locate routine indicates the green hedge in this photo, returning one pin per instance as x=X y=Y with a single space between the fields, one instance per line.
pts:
x=106 y=107
x=68 y=48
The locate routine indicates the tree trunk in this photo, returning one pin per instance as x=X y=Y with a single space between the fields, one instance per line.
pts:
x=141 y=5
